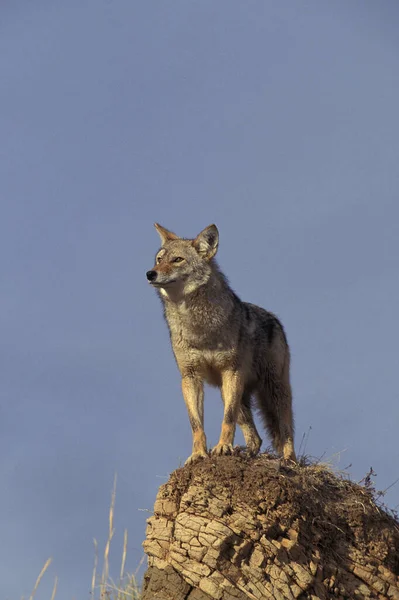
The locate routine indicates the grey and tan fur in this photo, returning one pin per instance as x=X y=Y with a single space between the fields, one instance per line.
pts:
x=238 y=347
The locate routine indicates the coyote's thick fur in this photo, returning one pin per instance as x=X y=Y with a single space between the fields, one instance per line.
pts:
x=231 y=344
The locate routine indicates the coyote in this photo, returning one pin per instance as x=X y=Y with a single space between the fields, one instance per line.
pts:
x=238 y=347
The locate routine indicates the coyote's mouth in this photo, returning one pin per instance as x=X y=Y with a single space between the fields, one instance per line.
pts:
x=162 y=283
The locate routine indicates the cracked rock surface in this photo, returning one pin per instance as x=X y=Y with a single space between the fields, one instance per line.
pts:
x=233 y=527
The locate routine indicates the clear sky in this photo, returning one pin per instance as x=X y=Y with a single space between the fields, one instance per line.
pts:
x=279 y=122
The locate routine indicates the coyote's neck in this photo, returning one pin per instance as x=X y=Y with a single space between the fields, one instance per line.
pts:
x=210 y=304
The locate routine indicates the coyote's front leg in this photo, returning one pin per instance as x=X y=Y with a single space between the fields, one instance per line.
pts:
x=232 y=391
x=193 y=394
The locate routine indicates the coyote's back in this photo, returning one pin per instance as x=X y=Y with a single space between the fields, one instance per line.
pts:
x=217 y=338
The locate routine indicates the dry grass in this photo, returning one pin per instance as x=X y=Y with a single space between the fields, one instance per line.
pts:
x=103 y=587
x=38 y=580
x=126 y=588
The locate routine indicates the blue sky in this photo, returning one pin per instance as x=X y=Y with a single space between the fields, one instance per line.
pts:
x=278 y=122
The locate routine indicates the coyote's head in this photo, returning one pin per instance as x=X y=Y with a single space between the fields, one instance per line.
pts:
x=181 y=266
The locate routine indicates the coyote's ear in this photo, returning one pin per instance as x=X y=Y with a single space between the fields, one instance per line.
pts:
x=206 y=243
x=164 y=234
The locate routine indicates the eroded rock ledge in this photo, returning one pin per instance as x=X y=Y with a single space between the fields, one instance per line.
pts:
x=232 y=528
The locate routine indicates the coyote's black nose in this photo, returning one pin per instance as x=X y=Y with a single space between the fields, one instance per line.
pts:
x=151 y=275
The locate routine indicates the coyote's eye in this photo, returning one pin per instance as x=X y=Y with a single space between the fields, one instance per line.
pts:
x=159 y=258
x=178 y=259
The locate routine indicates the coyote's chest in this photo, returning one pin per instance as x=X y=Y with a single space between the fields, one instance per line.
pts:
x=199 y=330
x=209 y=363
x=205 y=346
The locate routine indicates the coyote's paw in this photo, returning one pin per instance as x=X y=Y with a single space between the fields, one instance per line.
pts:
x=247 y=450
x=222 y=450
x=289 y=462
x=196 y=456
x=253 y=450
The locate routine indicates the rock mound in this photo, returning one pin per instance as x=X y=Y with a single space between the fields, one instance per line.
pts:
x=234 y=527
